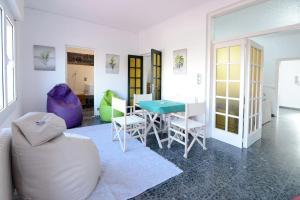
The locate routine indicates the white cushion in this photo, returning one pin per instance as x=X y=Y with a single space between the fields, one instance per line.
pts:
x=39 y=128
x=66 y=167
x=191 y=123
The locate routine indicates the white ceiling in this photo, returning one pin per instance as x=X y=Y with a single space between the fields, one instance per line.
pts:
x=130 y=15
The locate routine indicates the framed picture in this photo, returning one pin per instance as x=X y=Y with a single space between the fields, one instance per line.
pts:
x=44 y=58
x=112 y=64
x=179 y=59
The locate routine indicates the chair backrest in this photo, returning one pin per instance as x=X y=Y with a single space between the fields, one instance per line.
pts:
x=141 y=97
x=194 y=109
x=119 y=105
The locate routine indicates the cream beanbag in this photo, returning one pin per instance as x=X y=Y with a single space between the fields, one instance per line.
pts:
x=48 y=164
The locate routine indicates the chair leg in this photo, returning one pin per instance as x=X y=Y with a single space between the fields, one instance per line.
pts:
x=124 y=140
x=160 y=122
x=140 y=135
x=204 y=140
x=115 y=132
x=186 y=140
x=145 y=134
x=204 y=145
x=169 y=135
x=112 y=131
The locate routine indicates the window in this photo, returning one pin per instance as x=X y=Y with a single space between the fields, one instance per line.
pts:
x=1 y=63
x=10 y=71
x=7 y=60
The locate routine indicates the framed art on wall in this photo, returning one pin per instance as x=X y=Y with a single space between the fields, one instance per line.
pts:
x=112 y=64
x=179 y=61
x=44 y=58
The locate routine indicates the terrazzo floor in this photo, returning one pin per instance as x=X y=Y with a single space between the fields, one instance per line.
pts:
x=269 y=169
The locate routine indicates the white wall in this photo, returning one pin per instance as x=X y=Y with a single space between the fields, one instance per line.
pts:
x=277 y=47
x=259 y=17
x=289 y=91
x=17 y=8
x=52 y=30
x=187 y=30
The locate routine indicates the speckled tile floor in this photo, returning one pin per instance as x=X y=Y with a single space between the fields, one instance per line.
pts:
x=269 y=169
x=90 y=121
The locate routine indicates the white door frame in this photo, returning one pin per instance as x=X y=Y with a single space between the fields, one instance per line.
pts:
x=209 y=49
x=277 y=80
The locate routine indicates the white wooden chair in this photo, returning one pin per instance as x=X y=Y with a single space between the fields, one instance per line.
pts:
x=180 y=127
x=131 y=125
x=140 y=97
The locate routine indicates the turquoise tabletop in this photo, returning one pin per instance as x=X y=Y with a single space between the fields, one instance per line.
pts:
x=162 y=106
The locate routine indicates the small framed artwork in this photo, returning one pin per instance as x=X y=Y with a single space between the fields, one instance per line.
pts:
x=44 y=58
x=179 y=59
x=112 y=64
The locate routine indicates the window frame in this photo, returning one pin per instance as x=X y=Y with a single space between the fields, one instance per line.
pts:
x=6 y=61
x=2 y=60
x=6 y=15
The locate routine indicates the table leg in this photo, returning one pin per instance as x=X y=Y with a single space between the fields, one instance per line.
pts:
x=152 y=124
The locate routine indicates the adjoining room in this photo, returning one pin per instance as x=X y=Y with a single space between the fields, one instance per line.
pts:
x=80 y=77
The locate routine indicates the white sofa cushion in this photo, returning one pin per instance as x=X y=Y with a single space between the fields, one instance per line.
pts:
x=66 y=167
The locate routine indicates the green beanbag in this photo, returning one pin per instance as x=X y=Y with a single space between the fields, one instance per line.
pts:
x=105 y=106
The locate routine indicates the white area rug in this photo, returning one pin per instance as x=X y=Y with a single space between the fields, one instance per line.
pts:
x=125 y=175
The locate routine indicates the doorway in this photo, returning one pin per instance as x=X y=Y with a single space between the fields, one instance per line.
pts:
x=152 y=77
x=80 y=77
x=223 y=25
x=289 y=84
x=147 y=74
x=144 y=75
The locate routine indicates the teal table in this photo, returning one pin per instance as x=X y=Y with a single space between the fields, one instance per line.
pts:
x=156 y=108
x=162 y=106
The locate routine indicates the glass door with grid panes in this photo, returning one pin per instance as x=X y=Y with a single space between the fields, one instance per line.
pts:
x=229 y=92
x=135 y=77
x=253 y=95
x=237 y=92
